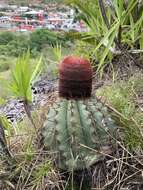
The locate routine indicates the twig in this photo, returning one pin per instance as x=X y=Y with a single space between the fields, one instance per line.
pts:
x=28 y=112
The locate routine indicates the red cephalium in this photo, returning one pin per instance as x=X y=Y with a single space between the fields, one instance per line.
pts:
x=75 y=78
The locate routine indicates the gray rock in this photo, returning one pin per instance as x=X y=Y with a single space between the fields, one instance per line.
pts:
x=14 y=111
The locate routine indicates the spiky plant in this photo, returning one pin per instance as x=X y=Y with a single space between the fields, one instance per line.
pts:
x=78 y=129
x=5 y=155
x=22 y=76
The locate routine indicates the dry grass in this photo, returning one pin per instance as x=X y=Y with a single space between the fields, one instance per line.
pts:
x=35 y=168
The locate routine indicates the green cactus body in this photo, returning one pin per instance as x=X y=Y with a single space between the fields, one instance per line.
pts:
x=77 y=131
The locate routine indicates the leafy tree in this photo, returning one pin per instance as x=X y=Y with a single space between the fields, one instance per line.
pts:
x=42 y=37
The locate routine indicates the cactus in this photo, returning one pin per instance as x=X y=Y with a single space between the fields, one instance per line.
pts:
x=78 y=128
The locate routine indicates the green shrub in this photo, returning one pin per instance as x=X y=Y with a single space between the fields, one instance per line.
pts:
x=18 y=46
x=40 y=38
x=6 y=37
x=13 y=45
x=3 y=50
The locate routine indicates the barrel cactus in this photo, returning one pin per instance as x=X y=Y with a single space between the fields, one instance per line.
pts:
x=78 y=129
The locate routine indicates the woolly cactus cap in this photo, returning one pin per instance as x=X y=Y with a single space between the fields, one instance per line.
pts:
x=75 y=78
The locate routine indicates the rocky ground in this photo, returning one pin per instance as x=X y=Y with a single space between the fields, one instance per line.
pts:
x=14 y=108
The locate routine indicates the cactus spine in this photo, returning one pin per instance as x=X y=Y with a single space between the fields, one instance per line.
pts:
x=78 y=127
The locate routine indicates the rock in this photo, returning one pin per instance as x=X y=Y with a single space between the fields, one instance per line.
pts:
x=14 y=111
x=42 y=88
